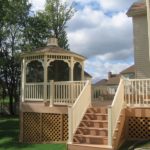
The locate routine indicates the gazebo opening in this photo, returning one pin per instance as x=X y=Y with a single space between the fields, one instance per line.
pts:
x=34 y=72
x=58 y=70
x=77 y=71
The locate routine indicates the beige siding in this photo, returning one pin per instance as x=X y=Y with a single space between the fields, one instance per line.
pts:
x=141 y=54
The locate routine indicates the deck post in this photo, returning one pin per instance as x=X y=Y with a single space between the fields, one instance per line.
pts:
x=51 y=92
x=109 y=126
x=70 y=125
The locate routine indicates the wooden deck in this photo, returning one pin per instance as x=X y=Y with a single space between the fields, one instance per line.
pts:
x=41 y=107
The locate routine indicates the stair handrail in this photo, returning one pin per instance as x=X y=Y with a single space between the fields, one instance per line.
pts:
x=114 y=111
x=78 y=109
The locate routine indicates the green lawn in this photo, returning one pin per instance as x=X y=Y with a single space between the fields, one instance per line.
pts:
x=131 y=145
x=9 y=132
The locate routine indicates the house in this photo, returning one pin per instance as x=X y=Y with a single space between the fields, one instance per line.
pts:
x=87 y=76
x=129 y=72
x=112 y=83
x=105 y=89
x=138 y=12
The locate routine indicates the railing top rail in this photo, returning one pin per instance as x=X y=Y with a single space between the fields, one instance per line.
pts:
x=57 y=82
x=115 y=97
x=137 y=79
x=87 y=82
x=35 y=83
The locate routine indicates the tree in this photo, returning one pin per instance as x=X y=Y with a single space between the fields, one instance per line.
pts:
x=12 y=24
x=57 y=14
x=35 y=33
x=21 y=31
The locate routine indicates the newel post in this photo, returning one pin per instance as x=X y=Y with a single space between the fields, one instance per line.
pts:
x=52 y=90
x=109 y=126
x=70 y=125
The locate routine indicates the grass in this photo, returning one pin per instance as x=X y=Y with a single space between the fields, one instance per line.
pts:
x=9 y=133
x=131 y=145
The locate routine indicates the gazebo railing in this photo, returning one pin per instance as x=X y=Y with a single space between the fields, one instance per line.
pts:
x=67 y=92
x=34 y=91
x=64 y=92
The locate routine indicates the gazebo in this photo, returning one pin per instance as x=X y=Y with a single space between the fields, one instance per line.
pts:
x=54 y=94
x=44 y=66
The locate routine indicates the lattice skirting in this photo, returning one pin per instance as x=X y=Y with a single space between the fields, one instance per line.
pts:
x=139 y=128
x=44 y=127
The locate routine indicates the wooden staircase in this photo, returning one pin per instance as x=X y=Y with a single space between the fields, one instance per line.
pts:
x=92 y=133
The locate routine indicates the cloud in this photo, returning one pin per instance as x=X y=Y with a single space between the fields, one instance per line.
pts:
x=37 y=5
x=116 y=5
x=106 y=40
x=101 y=67
x=91 y=32
x=101 y=31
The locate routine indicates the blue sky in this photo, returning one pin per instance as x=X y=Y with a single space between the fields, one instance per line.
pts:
x=101 y=31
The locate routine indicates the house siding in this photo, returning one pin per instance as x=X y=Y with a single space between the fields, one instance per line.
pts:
x=141 y=54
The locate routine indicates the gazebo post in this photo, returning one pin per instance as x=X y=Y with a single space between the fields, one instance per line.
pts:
x=71 y=68
x=23 y=80
x=45 y=78
x=82 y=71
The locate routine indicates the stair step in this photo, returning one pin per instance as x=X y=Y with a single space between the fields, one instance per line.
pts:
x=95 y=116
x=88 y=147
x=90 y=139
x=92 y=131
x=94 y=123
x=102 y=110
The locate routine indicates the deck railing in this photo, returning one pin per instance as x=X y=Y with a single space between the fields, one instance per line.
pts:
x=77 y=111
x=131 y=93
x=114 y=111
x=137 y=92
x=64 y=93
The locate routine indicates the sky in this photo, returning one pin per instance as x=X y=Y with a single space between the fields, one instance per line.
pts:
x=101 y=31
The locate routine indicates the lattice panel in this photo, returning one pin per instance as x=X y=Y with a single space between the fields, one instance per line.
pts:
x=51 y=127
x=139 y=128
x=65 y=127
x=45 y=127
x=31 y=127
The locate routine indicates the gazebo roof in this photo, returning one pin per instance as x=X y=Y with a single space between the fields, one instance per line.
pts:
x=53 y=50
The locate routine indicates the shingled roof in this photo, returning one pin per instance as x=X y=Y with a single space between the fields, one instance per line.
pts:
x=101 y=82
x=52 y=49
x=130 y=69
x=87 y=74
x=136 y=9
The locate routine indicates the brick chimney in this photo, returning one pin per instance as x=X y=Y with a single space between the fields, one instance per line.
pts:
x=109 y=75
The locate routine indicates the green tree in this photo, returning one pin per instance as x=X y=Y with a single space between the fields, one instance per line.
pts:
x=20 y=31
x=57 y=14
x=35 y=33
x=12 y=25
